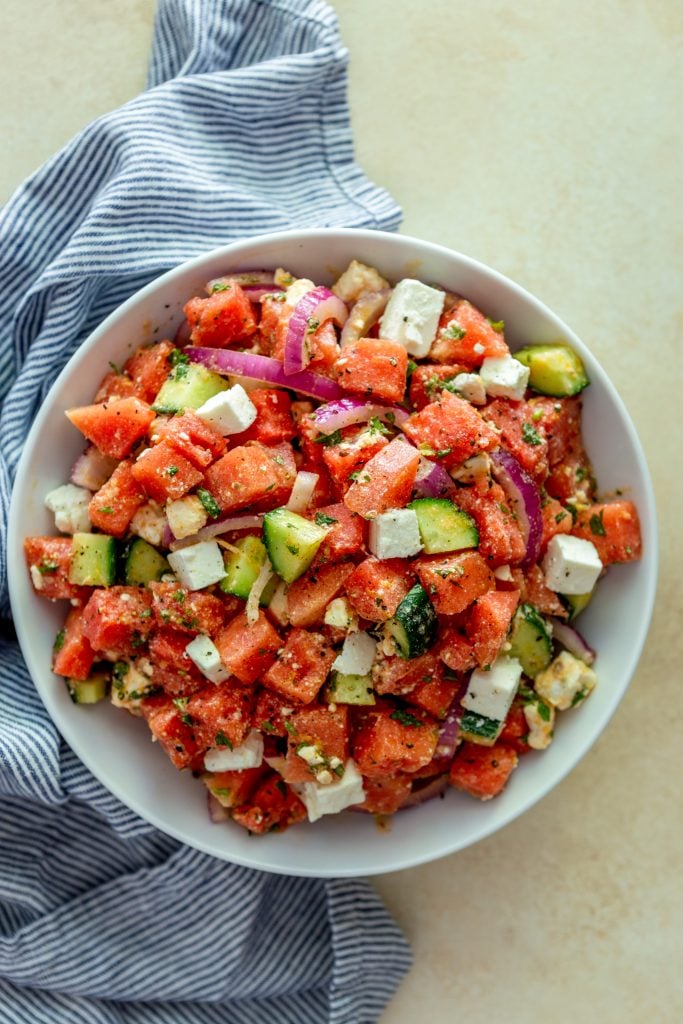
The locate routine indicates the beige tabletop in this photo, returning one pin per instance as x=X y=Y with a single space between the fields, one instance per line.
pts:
x=546 y=139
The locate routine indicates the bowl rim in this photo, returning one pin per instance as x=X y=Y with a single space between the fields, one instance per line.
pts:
x=69 y=727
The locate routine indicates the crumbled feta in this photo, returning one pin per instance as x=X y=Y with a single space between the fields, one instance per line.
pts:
x=130 y=687
x=504 y=573
x=296 y=291
x=571 y=564
x=92 y=469
x=198 y=565
x=228 y=412
x=471 y=387
x=339 y=613
x=395 y=534
x=566 y=682
x=204 y=653
x=333 y=796
x=149 y=522
x=504 y=377
x=248 y=755
x=357 y=279
x=311 y=755
x=70 y=506
x=186 y=516
x=491 y=693
x=36 y=577
x=412 y=316
x=474 y=469
x=357 y=655
x=541 y=725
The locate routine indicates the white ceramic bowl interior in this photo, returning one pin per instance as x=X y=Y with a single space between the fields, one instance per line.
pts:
x=116 y=747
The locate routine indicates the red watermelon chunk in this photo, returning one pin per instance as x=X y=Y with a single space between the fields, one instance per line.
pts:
x=118 y=619
x=247 y=650
x=385 y=482
x=164 y=473
x=302 y=666
x=450 y=430
x=187 y=611
x=116 y=426
x=223 y=318
x=221 y=715
x=166 y=723
x=73 y=654
x=48 y=560
x=112 y=508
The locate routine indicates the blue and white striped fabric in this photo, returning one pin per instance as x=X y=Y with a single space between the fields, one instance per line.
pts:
x=244 y=128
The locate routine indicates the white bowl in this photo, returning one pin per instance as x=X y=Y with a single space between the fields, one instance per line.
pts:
x=116 y=747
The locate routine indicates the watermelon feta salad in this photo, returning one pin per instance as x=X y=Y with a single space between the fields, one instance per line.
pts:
x=330 y=545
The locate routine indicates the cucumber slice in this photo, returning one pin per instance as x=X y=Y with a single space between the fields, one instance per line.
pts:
x=93 y=560
x=142 y=563
x=576 y=603
x=349 y=689
x=89 y=691
x=553 y=369
x=443 y=526
x=188 y=386
x=414 y=625
x=530 y=641
x=291 y=542
x=243 y=566
x=479 y=728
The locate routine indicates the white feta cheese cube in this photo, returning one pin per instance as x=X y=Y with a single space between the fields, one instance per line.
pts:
x=357 y=655
x=149 y=522
x=566 y=682
x=70 y=506
x=339 y=613
x=296 y=291
x=504 y=377
x=198 y=565
x=504 y=573
x=395 y=534
x=474 y=470
x=471 y=387
x=228 y=412
x=412 y=316
x=356 y=279
x=491 y=693
x=335 y=796
x=204 y=653
x=541 y=721
x=248 y=755
x=186 y=516
x=571 y=564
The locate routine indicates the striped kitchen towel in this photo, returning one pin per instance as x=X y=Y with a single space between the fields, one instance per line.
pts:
x=243 y=128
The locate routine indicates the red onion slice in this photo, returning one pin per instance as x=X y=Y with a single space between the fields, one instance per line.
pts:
x=310 y=311
x=217 y=813
x=427 y=791
x=432 y=481
x=364 y=315
x=572 y=641
x=347 y=411
x=447 y=743
x=92 y=469
x=182 y=335
x=266 y=370
x=525 y=498
x=247 y=522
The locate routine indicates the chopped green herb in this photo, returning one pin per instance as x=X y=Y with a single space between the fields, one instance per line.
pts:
x=560 y=516
x=578 y=697
x=497 y=325
x=106 y=510
x=59 y=641
x=443 y=452
x=328 y=440
x=176 y=357
x=324 y=520
x=223 y=741
x=181 y=705
x=597 y=526
x=45 y=568
x=405 y=718
x=221 y=286
x=531 y=435
x=281 y=786
x=339 y=770
x=377 y=427
x=180 y=371
x=291 y=728
x=454 y=331
x=294 y=548
x=581 y=474
x=268 y=727
x=543 y=711
x=312 y=325
x=172 y=470
x=209 y=502
x=114 y=367
x=537 y=415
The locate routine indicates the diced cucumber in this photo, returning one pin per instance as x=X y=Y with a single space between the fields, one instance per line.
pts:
x=443 y=526
x=269 y=591
x=479 y=728
x=348 y=689
x=530 y=641
x=93 y=560
x=553 y=369
x=576 y=603
x=188 y=386
x=142 y=563
x=414 y=625
x=243 y=566
x=89 y=691
x=291 y=542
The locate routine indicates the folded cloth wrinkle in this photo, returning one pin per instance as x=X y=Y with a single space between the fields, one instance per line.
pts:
x=243 y=128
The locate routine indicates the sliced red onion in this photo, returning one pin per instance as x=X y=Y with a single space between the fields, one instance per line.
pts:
x=249 y=522
x=572 y=640
x=265 y=369
x=432 y=481
x=347 y=411
x=364 y=315
x=302 y=491
x=447 y=743
x=525 y=498
x=92 y=469
x=246 y=279
x=182 y=335
x=427 y=791
x=310 y=311
x=217 y=812
x=168 y=538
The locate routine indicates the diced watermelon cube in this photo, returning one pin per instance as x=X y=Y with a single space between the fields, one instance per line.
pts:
x=188 y=434
x=309 y=596
x=73 y=654
x=113 y=507
x=187 y=611
x=482 y=771
x=172 y=667
x=376 y=589
x=48 y=560
x=272 y=808
x=114 y=426
x=454 y=581
x=273 y=423
x=385 y=482
x=247 y=650
x=148 y=368
x=168 y=728
x=327 y=731
x=221 y=715
x=118 y=619
x=164 y=473
x=250 y=474
x=395 y=741
x=450 y=430
x=221 y=319
x=374 y=368
x=488 y=623
x=613 y=528
x=465 y=335
x=302 y=666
